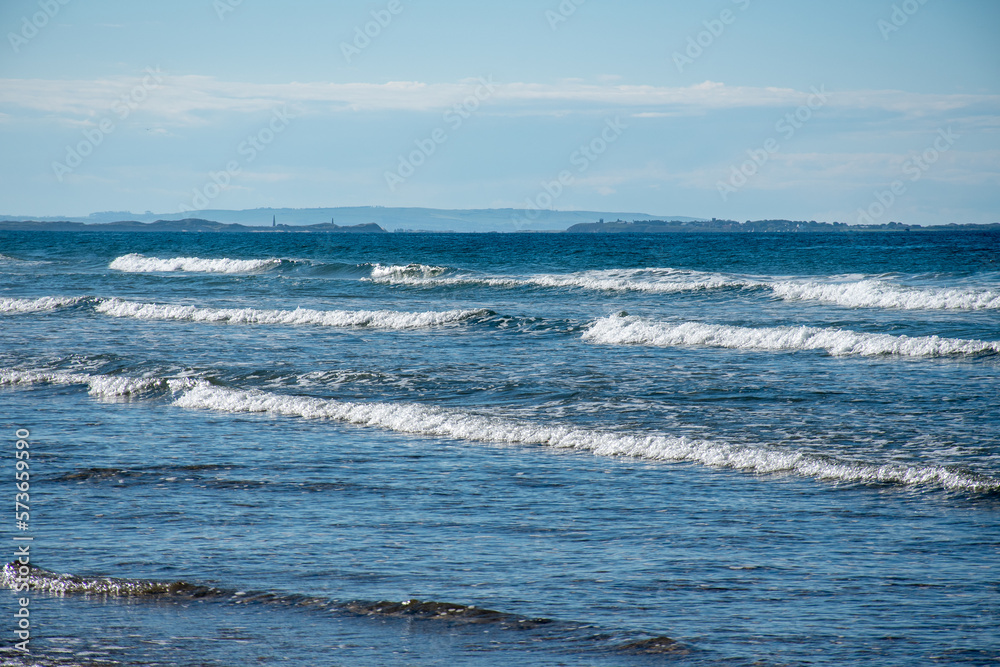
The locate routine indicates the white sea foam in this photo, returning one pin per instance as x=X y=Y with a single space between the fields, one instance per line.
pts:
x=654 y=280
x=10 y=306
x=424 y=420
x=136 y=263
x=862 y=293
x=660 y=281
x=872 y=293
x=102 y=386
x=383 y=272
x=617 y=330
x=432 y=421
x=377 y=319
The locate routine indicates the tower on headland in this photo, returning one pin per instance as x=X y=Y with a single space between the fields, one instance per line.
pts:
x=274 y=221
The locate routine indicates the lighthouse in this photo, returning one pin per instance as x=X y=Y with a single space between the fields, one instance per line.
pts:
x=274 y=221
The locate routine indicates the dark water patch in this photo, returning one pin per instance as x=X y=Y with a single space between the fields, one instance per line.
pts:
x=152 y=473
x=655 y=645
x=571 y=636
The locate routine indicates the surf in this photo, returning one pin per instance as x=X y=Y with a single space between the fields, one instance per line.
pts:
x=631 y=330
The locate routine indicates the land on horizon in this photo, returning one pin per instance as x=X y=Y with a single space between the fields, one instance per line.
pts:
x=433 y=219
x=389 y=218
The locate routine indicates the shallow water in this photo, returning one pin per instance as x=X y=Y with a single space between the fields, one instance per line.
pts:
x=772 y=449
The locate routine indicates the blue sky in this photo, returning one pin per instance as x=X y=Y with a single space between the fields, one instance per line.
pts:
x=738 y=109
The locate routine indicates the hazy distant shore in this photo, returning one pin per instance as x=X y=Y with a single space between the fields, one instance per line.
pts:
x=617 y=227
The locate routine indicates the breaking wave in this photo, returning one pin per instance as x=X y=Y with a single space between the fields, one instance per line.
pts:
x=617 y=330
x=865 y=293
x=137 y=263
x=418 y=419
x=873 y=293
x=425 y=420
x=661 y=281
x=394 y=271
x=9 y=306
x=376 y=319
x=101 y=386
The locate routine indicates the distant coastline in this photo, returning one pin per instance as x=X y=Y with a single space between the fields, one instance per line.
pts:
x=186 y=225
x=756 y=226
x=199 y=225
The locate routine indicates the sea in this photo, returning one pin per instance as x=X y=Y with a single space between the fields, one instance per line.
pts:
x=500 y=449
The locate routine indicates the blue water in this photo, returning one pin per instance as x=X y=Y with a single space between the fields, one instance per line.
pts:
x=770 y=449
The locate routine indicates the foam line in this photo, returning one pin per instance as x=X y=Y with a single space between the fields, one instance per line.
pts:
x=872 y=293
x=136 y=263
x=866 y=293
x=617 y=330
x=397 y=271
x=659 y=281
x=101 y=386
x=10 y=306
x=418 y=419
x=376 y=319
x=425 y=420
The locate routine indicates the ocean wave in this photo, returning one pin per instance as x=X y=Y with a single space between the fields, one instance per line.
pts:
x=431 y=421
x=376 y=319
x=617 y=330
x=419 y=419
x=653 y=280
x=862 y=293
x=393 y=271
x=874 y=293
x=10 y=306
x=659 y=281
x=136 y=263
x=101 y=386
x=14 y=574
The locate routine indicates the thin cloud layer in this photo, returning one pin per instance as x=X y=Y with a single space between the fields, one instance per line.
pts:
x=189 y=99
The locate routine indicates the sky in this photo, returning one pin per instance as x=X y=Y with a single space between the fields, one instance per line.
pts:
x=858 y=111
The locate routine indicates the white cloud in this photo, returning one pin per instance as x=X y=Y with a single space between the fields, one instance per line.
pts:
x=191 y=99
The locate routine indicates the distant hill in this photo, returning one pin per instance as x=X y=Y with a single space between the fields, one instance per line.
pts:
x=489 y=220
x=760 y=226
x=390 y=219
x=185 y=225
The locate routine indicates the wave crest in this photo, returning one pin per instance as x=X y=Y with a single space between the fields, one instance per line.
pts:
x=137 y=263
x=432 y=421
x=376 y=319
x=617 y=330
x=872 y=293
x=658 y=281
x=418 y=419
x=9 y=306
x=101 y=386
x=383 y=272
